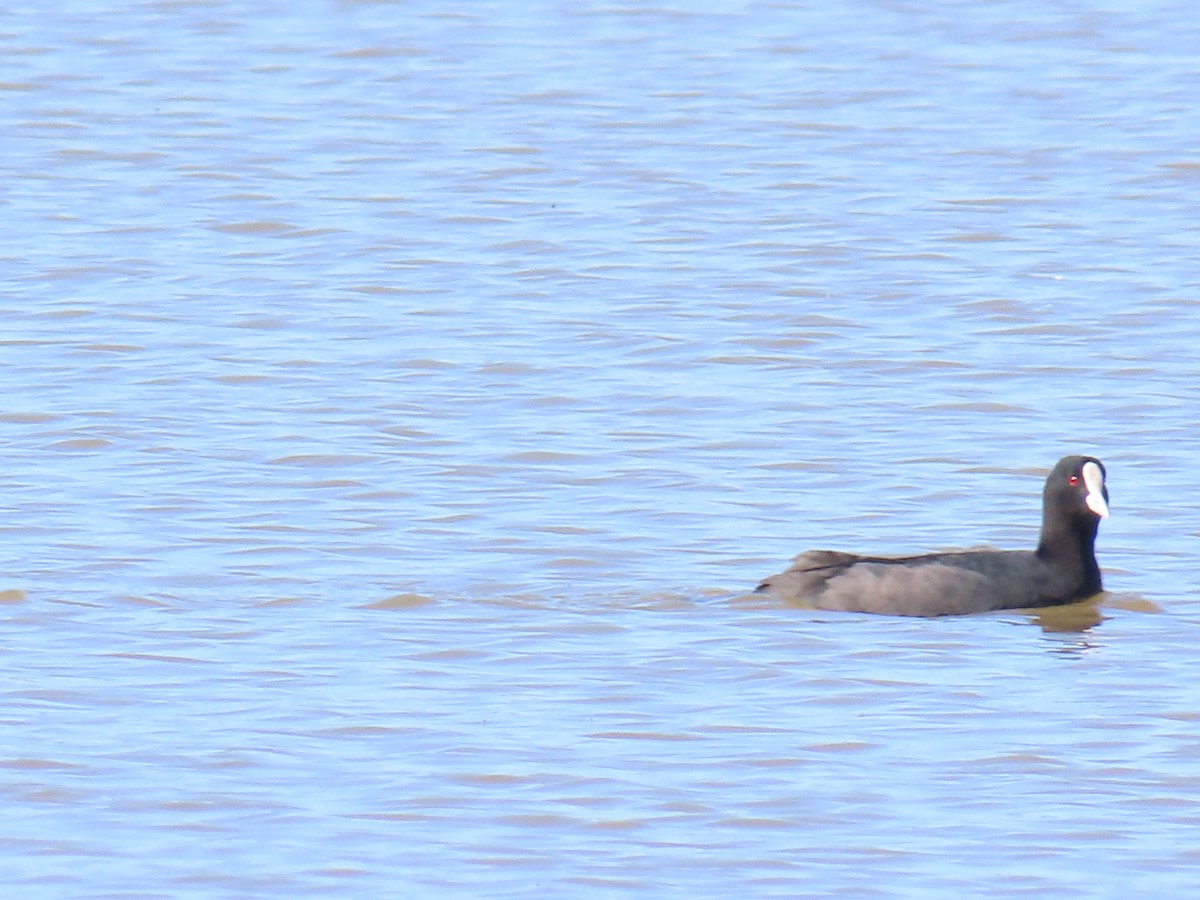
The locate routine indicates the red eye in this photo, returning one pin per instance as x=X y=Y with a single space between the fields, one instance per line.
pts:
x=1073 y=481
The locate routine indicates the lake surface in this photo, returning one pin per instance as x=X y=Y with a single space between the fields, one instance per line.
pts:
x=400 y=400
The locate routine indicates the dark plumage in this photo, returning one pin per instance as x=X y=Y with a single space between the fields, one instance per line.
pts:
x=1062 y=568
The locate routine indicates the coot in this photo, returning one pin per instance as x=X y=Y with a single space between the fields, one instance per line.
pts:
x=1062 y=568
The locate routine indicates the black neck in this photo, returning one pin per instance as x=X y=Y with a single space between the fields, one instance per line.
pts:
x=1073 y=542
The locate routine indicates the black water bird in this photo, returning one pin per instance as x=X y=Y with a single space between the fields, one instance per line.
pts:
x=1062 y=569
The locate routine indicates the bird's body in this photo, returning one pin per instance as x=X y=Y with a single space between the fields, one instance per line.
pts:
x=1063 y=568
